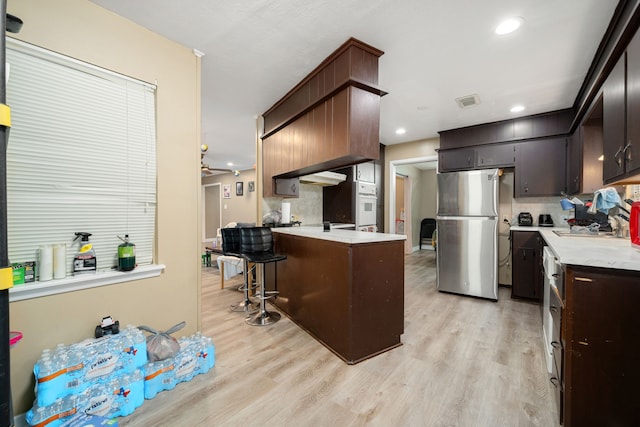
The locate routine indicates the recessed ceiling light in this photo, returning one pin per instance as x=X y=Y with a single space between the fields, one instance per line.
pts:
x=517 y=108
x=509 y=25
x=401 y=131
x=229 y=164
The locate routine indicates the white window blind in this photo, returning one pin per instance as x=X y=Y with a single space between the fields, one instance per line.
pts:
x=81 y=157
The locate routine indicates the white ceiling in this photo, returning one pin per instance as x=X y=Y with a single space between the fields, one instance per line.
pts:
x=435 y=51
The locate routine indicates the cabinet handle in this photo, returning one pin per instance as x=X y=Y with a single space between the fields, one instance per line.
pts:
x=556 y=345
x=627 y=151
x=618 y=159
x=554 y=381
x=556 y=275
x=553 y=309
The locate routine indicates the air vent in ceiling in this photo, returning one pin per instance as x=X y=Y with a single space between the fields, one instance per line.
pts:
x=468 y=101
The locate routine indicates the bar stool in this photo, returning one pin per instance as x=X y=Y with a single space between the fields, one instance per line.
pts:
x=256 y=246
x=231 y=247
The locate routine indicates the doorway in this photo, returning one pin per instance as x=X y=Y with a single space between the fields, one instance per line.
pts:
x=211 y=212
x=419 y=199
x=403 y=209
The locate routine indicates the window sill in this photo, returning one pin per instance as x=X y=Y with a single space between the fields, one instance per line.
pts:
x=77 y=283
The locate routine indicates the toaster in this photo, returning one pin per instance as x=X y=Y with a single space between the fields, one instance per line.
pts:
x=525 y=218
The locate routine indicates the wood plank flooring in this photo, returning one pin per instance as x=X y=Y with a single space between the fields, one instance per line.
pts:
x=464 y=362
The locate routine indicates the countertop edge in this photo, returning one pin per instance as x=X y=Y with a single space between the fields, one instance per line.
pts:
x=579 y=251
x=338 y=235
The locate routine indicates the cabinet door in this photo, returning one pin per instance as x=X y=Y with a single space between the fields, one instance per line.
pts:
x=601 y=353
x=526 y=276
x=540 y=167
x=496 y=155
x=366 y=172
x=455 y=160
x=632 y=154
x=613 y=122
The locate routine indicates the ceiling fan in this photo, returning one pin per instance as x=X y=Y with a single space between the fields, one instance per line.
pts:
x=205 y=170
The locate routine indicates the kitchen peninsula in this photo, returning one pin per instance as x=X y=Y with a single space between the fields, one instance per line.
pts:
x=344 y=287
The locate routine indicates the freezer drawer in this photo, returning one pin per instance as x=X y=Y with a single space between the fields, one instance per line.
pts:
x=470 y=193
x=467 y=256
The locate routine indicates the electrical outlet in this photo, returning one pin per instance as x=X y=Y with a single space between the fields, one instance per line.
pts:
x=505 y=218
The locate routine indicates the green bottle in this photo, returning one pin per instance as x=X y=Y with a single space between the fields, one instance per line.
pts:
x=126 y=254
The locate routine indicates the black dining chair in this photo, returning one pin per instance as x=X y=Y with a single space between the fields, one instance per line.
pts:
x=256 y=246
x=231 y=247
x=427 y=227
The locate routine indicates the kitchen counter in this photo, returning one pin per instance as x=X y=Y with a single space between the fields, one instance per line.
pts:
x=609 y=252
x=350 y=237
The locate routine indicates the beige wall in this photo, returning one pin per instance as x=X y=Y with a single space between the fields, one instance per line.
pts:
x=237 y=208
x=409 y=150
x=87 y=32
x=429 y=193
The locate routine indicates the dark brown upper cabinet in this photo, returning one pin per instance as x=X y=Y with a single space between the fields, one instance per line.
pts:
x=479 y=157
x=632 y=154
x=537 y=126
x=620 y=112
x=541 y=167
x=614 y=122
x=331 y=119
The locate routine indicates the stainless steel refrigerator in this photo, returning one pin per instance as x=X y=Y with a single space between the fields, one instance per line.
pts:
x=467 y=224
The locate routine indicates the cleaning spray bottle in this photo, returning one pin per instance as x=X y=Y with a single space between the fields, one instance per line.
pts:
x=85 y=259
x=126 y=254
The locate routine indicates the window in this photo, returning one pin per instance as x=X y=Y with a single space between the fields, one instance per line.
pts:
x=81 y=157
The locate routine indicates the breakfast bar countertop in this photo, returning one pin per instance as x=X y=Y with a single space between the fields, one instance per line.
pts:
x=604 y=252
x=339 y=235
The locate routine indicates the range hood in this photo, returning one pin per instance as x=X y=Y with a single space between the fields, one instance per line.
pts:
x=323 y=178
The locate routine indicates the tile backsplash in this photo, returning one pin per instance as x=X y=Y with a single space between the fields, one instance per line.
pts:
x=541 y=205
x=307 y=208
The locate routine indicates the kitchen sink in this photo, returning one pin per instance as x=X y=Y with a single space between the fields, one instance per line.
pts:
x=567 y=233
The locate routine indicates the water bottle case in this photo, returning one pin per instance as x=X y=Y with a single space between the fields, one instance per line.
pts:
x=634 y=225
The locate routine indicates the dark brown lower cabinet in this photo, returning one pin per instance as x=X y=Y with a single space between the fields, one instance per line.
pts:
x=527 y=275
x=350 y=297
x=601 y=330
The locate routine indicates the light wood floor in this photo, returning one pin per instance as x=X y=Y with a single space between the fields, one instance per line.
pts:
x=464 y=362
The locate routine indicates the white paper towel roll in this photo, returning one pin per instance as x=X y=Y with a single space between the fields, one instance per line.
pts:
x=59 y=261
x=286 y=212
x=45 y=264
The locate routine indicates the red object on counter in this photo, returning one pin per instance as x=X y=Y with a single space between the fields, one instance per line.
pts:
x=634 y=225
x=14 y=338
